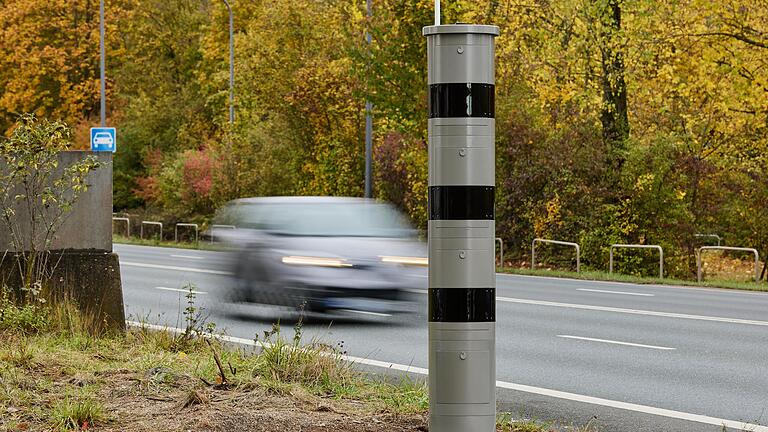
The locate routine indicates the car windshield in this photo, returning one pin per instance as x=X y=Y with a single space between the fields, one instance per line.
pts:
x=323 y=219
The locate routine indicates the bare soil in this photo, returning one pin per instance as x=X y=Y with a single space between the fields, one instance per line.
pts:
x=134 y=406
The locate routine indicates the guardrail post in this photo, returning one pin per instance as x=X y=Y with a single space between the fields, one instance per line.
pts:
x=714 y=236
x=176 y=230
x=127 y=225
x=637 y=246
x=501 y=252
x=578 y=259
x=213 y=227
x=610 y=261
x=557 y=242
x=160 y=224
x=727 y=248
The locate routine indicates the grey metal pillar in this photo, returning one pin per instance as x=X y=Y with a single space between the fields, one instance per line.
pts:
x=461 y=229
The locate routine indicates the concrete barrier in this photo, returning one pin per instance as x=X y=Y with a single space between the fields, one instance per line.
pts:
x=85 y=268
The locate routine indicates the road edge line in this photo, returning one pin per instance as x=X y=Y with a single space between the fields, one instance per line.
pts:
x=174 y=268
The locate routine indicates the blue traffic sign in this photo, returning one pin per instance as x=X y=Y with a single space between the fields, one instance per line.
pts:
x=103 y=139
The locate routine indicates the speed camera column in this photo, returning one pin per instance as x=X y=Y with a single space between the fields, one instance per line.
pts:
x=462 y=283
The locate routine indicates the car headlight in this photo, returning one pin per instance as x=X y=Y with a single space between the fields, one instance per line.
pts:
x=315 y=261
x=405 y=260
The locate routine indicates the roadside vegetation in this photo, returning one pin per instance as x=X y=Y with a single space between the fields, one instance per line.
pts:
x=615 y=277
x=154 y=241
x=719 y=270
x=56 y=374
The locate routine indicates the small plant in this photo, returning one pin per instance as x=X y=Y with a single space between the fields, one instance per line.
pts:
x=506 y=423
x=314 y=365
x=77 y=414
x=196 y=324
x=28 y=319
x=36 y=196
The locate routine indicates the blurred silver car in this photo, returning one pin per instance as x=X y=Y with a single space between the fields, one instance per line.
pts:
x=322 y=254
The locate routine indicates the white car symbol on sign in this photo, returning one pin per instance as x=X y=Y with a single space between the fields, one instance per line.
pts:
x=102 y=138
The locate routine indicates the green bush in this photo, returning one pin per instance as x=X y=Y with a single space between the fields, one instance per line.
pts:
x=26 y=319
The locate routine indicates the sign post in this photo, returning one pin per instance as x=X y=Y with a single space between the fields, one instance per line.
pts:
x=103 y=139
x=461 y=228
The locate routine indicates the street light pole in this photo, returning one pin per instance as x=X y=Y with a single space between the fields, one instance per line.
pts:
x=103 y=108
x=368 y=125
x=231 y=68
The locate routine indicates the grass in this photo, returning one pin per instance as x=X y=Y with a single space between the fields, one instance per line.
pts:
x=63 y=378
x=77 y=413
x=154 y=241
x=59 y=380
x=59 y=377
x=616 y=277
x=506 y=423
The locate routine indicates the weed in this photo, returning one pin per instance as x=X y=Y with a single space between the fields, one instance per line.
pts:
x=19 y=354
x=506 y=423
x=28 y=319
x=196 y=322
x=77 y=414
x=315 y=365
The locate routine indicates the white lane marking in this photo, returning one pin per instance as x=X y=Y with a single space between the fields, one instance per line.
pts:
x=187 y=256
x=615 y=292
x=512 y=386
x=742 y=426
x=179 y=290
x=361 y=312
x=174 y=268
x=616 y=342
x=634 y=311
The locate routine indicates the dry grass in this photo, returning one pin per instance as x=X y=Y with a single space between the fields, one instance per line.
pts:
x=67 y=379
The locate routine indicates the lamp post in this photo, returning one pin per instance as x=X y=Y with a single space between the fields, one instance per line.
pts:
x=231 y=68
x=103 y=108
x=368 y=127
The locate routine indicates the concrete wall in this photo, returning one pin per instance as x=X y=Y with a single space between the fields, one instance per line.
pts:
x=89 y=278
x=82 y=264
x=88 y=226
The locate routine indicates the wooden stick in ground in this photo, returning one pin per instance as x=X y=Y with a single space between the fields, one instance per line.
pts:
x=216 y=358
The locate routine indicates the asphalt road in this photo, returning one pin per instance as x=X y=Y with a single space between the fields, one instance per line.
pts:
x=638 y=357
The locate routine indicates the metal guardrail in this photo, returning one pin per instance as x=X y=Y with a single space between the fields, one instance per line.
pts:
x=714 y=236
x=190 y=225
x=127 y=225
x=214 y=227
x=501 y=251
x=743 y=249
x=557 y=242
x=638 y=246
x=160 y=224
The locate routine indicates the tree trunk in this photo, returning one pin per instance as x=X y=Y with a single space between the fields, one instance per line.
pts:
x=614 y=118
